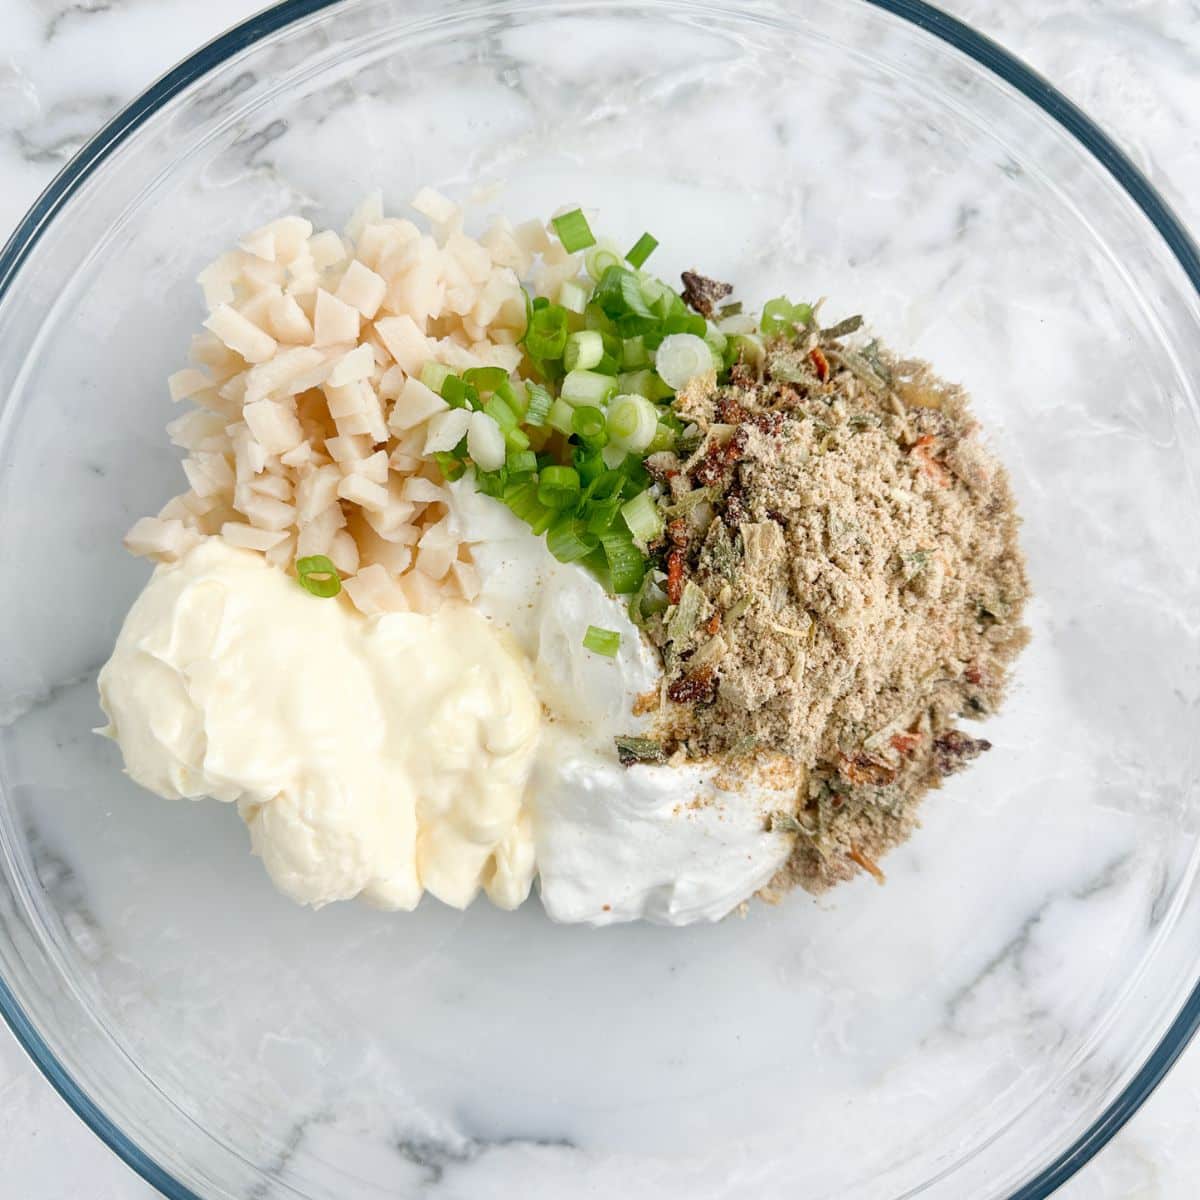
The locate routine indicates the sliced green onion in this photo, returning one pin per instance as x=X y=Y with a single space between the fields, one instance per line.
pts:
x=647 y=601
x=538 y=302
x=600 y=257
x=602 y=641
x=626 y=563
x=739 y=323
x=500 y=413
x=433 y=375
x=451 y=466
x=318 y=576
x=490 y=483
x=664 y=439
x=776 y=316
x=782 y=316
x=568 y=539
x=520 y=463
x=633 y=353
x=523 y=502
x=560 y=416
x=587 y=387
x=606 y=484
x=558 y=487
x=654 y=291
x=686 y=322
x=539 y=405
x=682 y=357
x=583 y=350
x=717 y=341
x=643 y=518
x=602 y=515
x=590 y=466
x=746 y=347
x=632 y=422
x=454 y=391
x=516 y=439
x=486 y=379
x=642 y=249
x=664 y=304
x=614 y=456
x=573 y=296
x=594 y=317
x=588 y=422
x=573 y=231
x=635 y=383
x=619 y=294
x=514 y=395
x=547 y=333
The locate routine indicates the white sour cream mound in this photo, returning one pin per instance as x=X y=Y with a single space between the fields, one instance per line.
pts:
x=613 y=843
x=374 y=758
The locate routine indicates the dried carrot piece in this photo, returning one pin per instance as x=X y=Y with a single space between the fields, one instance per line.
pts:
x=927 y=462
x=871 y=868
x=675 y=575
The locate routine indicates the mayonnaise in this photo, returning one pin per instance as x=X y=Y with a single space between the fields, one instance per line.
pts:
x=375 y=758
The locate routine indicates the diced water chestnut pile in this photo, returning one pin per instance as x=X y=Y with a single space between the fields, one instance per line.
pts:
x=311 y=424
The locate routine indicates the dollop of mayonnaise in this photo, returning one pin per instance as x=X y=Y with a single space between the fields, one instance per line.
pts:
x=662 y=843
x=369 y=757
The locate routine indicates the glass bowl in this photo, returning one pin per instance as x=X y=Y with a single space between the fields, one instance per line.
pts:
x=978 y=1027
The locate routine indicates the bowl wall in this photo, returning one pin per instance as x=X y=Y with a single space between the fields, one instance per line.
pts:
x=948 y=1036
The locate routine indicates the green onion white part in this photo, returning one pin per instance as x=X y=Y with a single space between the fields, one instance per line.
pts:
x=632 y=423
x=681 y=358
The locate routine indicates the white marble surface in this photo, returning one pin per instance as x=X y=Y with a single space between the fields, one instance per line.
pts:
x=66 y=66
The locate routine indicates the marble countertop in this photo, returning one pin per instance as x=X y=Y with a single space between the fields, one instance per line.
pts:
x=67 y=65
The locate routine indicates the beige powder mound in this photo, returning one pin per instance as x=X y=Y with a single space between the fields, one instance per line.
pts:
x=847 y=586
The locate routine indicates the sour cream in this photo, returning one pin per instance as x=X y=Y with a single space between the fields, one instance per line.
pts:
x=377 y=758
x=613 y=843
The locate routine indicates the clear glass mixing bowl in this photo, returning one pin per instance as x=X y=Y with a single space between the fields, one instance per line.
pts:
x=979 y=1027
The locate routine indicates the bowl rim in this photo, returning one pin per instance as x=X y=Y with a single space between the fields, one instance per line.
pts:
x=960 y=36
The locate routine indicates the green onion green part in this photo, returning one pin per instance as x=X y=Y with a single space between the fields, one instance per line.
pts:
x=520 y=463
x=642 y=249
x=558 y=487
x=602 y=641
x=588 y=422
x=560 y=416
x=433 y=375
x=568 y=539
x=451 y=466
x=486 y=379
x=583 y=350
x=587 y=387
x=318 y=575
x=643 y=518
x=626 y=563
x=573 y=231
